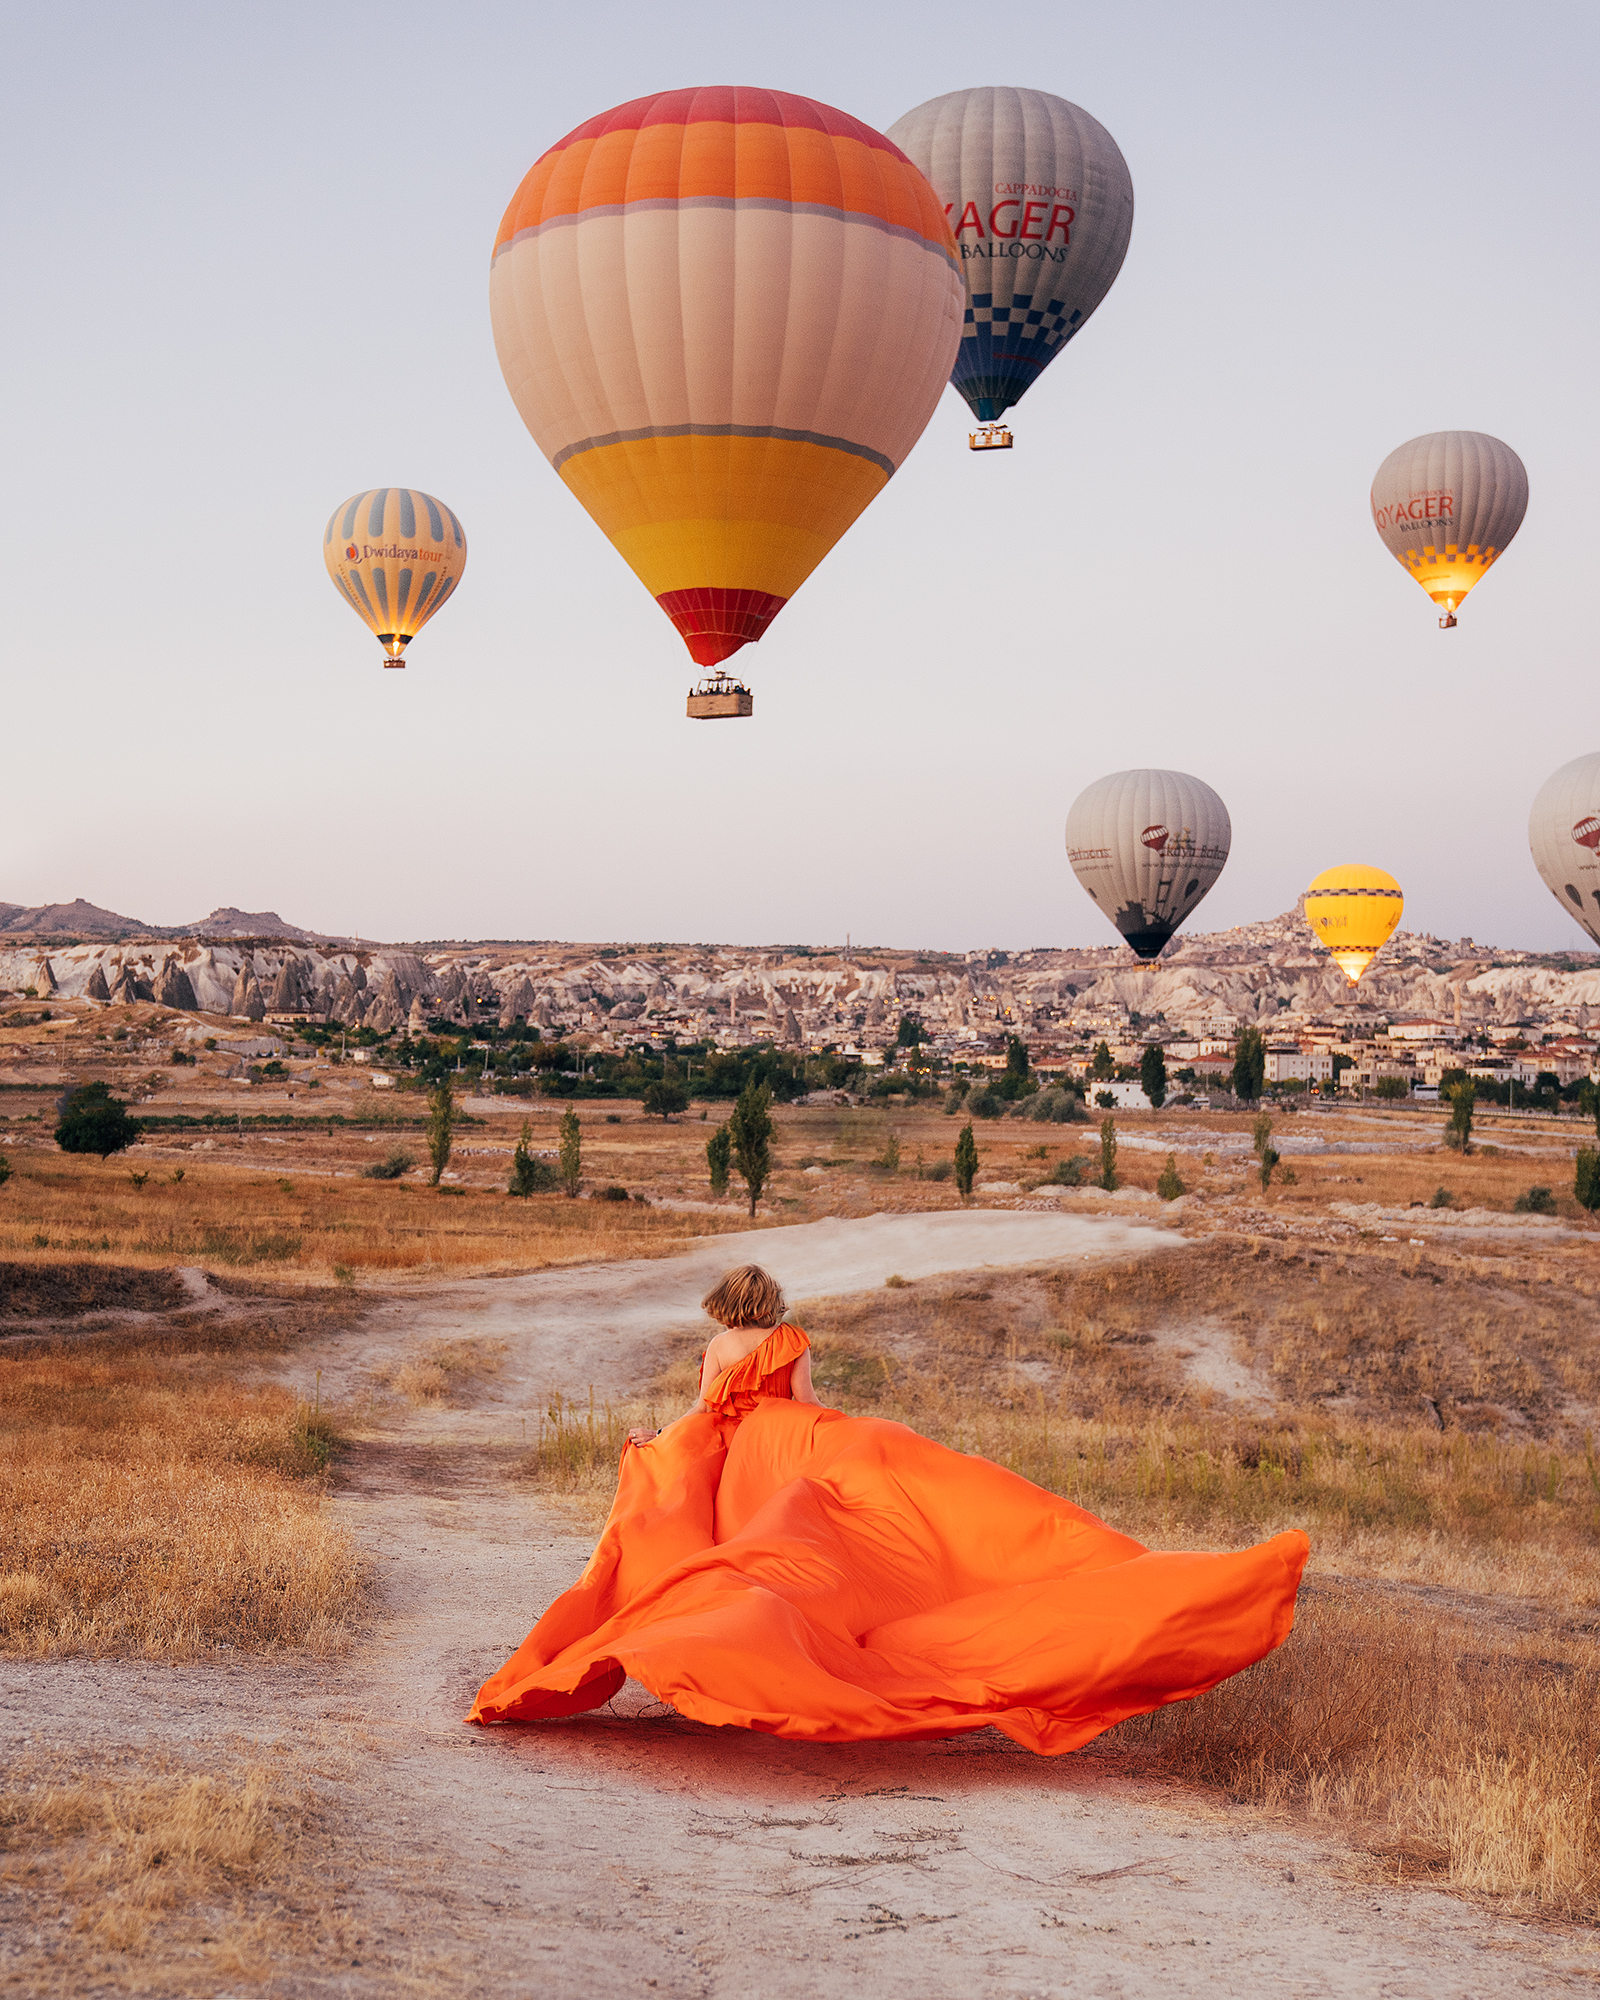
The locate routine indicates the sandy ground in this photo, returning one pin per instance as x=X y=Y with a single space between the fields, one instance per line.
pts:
x=633 y=1851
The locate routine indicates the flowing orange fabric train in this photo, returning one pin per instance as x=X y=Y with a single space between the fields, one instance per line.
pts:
x=826 y=1577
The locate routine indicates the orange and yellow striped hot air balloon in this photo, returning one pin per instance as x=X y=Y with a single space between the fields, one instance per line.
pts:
x=394 y=555
x=726 y=316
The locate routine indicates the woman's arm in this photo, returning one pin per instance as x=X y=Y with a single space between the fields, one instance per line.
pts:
x=800 y=1382
x=709 y=1371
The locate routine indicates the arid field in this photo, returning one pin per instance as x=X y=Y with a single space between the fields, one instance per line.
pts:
x=257 y=1407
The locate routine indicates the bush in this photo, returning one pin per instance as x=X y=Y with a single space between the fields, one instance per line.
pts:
x=719 y=1156
x=184 y=1056
x=984 y=1101
x=612 y=1193
x=966 y=1160
x=530 y=1174
x=1108 y=1155
x=1442 y=1198
x=958 y=1091
x=1054 y=1106
x=1586 y=1182
x=1537 y=1201
x=1170 y=1187
x=664 y=1099
x=889 y=1159
x=1105 y=1100
x=1067 y=1172
x=1391 y=1088
x=941 y=1170
x=391 y=1169
x=1269 y=1159
x=93 y=1121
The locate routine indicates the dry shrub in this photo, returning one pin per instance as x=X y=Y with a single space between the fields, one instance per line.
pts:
x=151 y=1505
x=444 y=1367
x=149 y=1860
x=1456 y=1755
x=577 y=1447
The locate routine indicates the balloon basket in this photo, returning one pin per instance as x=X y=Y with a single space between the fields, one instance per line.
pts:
x=1447 y=622
x=719 y=695
x=392 y=663
x=993 y=437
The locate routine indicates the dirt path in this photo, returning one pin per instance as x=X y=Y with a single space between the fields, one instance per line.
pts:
x=633 y=1851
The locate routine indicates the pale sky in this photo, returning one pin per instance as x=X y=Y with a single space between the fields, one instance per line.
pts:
x=246 y=255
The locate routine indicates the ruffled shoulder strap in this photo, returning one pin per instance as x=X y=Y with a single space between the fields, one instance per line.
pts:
x=783 y=1345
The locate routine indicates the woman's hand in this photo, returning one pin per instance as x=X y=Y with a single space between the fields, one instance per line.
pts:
x=642 y=1436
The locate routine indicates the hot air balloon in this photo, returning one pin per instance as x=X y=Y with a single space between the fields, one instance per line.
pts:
x=1564 y=833
x=1040 y=202
x=1354 y=909
x=395 y=556
x=726 y=316
x=1147 y=845
x=1446 y=505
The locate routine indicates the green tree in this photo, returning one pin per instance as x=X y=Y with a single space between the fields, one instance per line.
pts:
x=966 y=1161
x=911 y=1033
x=1269 y=1159
x=889 y=1158
x=1586 y=1183
x=570 y=1168
x=1018 y=1068
x=1169 y=1187
x=1102 y=1069
x=93 y=1121
x=440 y=1131
x=1108 y=1155
x=1392 y=1088
x=719 y=1152
x=750 y=1129
x=529 y=1174
x=664 y=1098
x=1458 y=1134
x=1249 y=1065
x=1153 y=1075
x=1261 y=1132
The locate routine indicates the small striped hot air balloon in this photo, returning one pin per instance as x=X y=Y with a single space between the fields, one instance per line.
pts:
x=1354 y=910
x=394 y=555
x=725 y=315
x=1446 y=505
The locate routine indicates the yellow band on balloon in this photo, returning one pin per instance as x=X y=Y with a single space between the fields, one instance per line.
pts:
x=741 y=513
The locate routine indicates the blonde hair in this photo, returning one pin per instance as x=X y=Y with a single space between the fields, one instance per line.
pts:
x=746 y=1297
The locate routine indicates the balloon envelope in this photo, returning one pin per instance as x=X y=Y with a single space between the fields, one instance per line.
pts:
x=394 y=555
x=1040 y=201
x=1446 y=505
x=725 y=315
x=1354 y=910
x=1148 y=845
x=1564 y=834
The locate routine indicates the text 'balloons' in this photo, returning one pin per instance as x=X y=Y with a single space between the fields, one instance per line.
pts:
x=1446 y=505
x=1147 y=846
x=1564 y=834
x=1040 y=202
x=394 y=555
x=726 y=316
x=1354 y=910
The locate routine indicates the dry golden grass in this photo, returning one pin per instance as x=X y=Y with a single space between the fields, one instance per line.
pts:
x=151 y=1503
x=313 y=1226
x=441 y=1367
x=145 y=1859
x=1452 y=1752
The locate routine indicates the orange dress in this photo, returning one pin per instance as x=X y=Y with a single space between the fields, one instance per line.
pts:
x=830 y=1578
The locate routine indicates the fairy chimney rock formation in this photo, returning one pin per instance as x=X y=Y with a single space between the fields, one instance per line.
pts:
x=173 y=988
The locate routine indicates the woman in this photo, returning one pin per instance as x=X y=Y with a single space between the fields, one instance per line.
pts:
x=773 y=1563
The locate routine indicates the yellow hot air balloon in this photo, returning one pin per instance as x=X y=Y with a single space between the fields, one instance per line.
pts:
x=395 y=556
x=1354 y=910
x=725 y=315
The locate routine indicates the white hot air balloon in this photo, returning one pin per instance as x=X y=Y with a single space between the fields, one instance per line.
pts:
x=1564 y=834
x=1040 y=202
x=1446 y=505
x=1147 y=845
